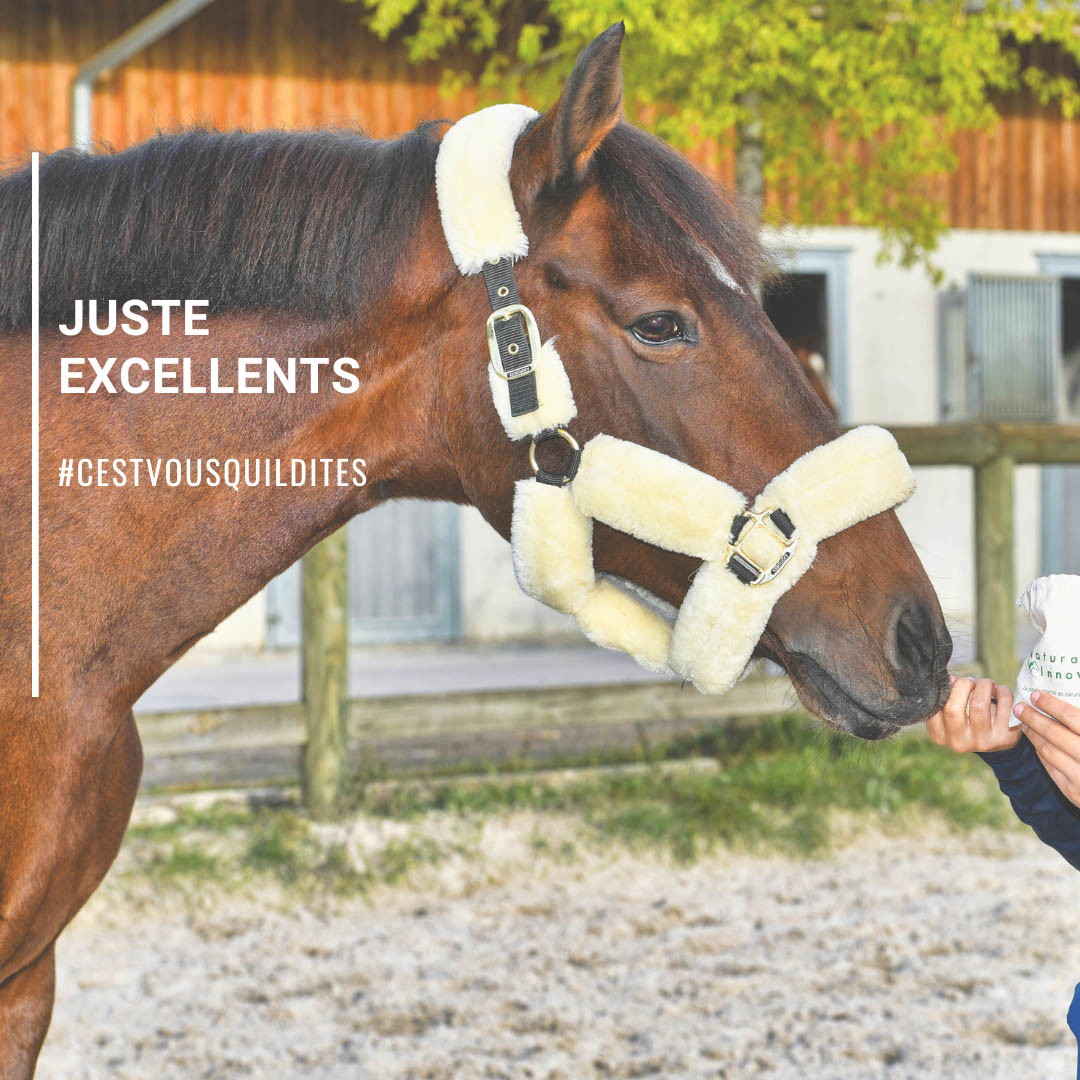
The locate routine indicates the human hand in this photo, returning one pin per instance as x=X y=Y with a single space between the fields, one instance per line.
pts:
x=971 y=720
x=1056 y=739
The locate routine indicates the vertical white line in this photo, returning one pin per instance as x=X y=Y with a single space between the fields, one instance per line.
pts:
x=35 y=243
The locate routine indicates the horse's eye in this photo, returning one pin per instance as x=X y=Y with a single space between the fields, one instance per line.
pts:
x=657 y=329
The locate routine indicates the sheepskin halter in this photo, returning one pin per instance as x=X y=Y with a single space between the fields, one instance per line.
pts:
x=751 y=553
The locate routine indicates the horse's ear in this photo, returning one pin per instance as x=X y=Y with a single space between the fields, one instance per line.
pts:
x=589 y=107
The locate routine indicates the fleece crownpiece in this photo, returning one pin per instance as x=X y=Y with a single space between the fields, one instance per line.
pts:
x=751 y=552
x=482 y=225
x=479 y=218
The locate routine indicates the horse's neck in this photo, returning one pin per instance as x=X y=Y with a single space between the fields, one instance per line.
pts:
x=171 y=564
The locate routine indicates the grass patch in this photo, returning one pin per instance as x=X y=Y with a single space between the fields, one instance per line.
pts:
x=242 y=847
x=779 y=786
x=219 y=819
x=184 y=861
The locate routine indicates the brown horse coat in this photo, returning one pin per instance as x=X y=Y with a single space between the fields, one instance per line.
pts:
x=324 y=244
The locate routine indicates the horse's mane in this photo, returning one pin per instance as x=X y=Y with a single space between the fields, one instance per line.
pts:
x=303 y=221
x=311 y=222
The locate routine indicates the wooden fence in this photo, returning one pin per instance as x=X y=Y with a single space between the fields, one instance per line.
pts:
x=333 y=734
x=993 y=450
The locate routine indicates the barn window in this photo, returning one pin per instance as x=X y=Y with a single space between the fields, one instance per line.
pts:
x=807 y=303
x=1061 y=483
x=1010 y=351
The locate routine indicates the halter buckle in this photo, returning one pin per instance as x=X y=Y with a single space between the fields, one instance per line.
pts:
x=757 y=554
x=532 y=331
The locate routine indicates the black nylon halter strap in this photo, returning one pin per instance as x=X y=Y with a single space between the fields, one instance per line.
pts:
x=512 y=339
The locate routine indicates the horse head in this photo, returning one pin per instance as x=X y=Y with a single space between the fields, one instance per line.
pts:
x=645 y=274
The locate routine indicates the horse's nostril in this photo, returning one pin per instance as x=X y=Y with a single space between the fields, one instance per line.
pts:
x=915 y=647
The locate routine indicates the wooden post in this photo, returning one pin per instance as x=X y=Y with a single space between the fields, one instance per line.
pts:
x=326 y=673
x=995 y=583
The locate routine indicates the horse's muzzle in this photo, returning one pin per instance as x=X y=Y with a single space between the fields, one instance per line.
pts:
x=875 y=694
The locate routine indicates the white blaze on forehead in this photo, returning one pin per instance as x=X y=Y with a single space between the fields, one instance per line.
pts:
x=721 y=271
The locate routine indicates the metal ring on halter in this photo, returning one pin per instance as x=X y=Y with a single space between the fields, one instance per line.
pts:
x=542 y=474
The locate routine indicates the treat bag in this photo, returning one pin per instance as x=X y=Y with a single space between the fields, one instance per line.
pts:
x=1053 y=606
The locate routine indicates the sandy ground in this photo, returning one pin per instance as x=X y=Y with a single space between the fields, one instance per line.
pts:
x=946 y=957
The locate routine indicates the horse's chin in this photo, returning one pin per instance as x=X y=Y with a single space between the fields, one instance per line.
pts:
x=824 y=695
x=826 y=698
x=877 y=709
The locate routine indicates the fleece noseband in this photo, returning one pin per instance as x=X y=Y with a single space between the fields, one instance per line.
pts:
x=751 y=552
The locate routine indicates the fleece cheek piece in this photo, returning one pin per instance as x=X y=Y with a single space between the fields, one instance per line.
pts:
x=552 y=546
x=553 y=562
x=556 y=399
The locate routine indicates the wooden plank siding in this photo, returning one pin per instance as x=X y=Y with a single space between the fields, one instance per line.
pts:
x=311 y=63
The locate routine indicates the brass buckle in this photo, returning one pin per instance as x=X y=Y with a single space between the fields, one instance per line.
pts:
x=532 y=331
x=764 y=569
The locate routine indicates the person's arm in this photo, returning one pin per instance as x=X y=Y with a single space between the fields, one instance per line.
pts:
x=972 y=721
x=1036 y=799
x=1053 y=728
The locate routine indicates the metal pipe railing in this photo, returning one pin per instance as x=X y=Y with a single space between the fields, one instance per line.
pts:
x=143 y=34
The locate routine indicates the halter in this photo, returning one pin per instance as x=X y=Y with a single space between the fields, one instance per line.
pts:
x=751 y=553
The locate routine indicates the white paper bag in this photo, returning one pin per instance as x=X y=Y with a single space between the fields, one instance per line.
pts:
x=1053 y=606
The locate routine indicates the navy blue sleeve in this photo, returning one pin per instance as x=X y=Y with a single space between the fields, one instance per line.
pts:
x=1037 y=800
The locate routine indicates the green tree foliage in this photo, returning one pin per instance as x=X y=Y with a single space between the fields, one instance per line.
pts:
x=858 y=100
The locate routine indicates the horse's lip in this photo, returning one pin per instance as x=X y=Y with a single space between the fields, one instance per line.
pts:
x=822 y=692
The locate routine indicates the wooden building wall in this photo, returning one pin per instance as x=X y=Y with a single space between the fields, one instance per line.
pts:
x=306 y=63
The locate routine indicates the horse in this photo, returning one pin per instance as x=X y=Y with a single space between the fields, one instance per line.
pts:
x=328 y=244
